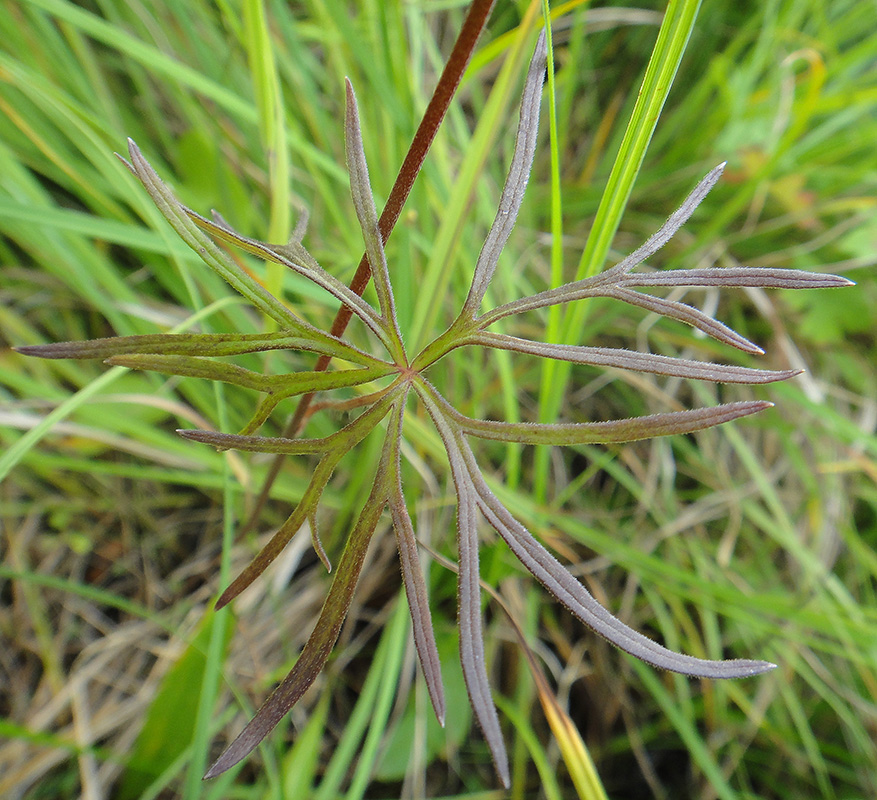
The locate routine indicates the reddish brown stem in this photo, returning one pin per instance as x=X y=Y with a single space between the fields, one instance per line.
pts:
x=476 y=19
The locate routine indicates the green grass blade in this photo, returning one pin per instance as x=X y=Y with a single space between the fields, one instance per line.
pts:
x=272 y=124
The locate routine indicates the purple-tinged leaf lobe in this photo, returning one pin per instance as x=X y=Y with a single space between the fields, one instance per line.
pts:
x=469 y=616
x=319 y=646
x=762 y=277
x=634 y=360
x=412 y=577
x=551 y=573
x=610 y=432
x=516 y=182
x=256 y=444
x=364 y=204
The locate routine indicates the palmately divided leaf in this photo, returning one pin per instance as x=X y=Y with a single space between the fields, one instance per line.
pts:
x=191 y=354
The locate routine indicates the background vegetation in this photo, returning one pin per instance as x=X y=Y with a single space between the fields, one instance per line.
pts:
x=755 y=539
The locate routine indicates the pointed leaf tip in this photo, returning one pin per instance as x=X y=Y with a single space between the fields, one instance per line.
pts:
x=351 y=106
x=224 y=599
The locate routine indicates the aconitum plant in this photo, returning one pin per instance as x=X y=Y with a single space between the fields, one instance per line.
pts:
x=404 y=378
